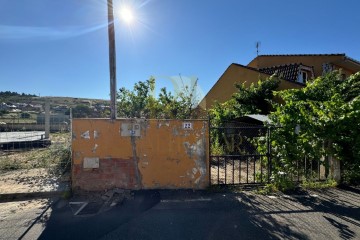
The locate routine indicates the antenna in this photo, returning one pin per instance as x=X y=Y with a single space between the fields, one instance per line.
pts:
x=258 y=43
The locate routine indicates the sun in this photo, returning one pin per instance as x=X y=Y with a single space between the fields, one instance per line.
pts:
x=127 y=15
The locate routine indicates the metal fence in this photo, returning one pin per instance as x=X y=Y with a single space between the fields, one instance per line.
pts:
x=305 y=169
x=239 y=154
x=24 y=144
x=243 y=154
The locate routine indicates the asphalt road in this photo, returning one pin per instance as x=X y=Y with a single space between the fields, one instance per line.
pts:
x=325 y=214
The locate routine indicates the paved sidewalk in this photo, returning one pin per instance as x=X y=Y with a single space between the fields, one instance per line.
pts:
x=324 y=214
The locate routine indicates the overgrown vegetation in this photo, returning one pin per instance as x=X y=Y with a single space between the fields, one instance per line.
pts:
x=256 y=99
x=319 y=120
x=56 y=158
x=142 y=103
x=318 y=184
x=315 y=122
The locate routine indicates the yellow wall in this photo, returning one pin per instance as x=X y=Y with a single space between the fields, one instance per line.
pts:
x=164 y=155
x=225 y=86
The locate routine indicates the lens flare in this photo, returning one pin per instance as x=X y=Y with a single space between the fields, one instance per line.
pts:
x=127 y=15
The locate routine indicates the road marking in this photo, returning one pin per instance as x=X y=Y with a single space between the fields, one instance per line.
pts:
x=83 y=205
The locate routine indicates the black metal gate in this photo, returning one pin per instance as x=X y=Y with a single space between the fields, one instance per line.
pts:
x=239 y=154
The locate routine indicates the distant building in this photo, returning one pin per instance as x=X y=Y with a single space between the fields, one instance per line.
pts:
x=4 y=106
x=60 y=109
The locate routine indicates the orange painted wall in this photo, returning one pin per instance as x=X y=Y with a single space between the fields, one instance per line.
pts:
x=163 y=156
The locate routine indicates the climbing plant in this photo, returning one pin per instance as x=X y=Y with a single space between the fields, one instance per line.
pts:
x=320 y=119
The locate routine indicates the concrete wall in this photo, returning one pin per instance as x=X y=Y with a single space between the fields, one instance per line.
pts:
x=139 y=154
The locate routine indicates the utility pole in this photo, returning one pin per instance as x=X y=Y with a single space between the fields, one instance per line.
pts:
x=112 y=59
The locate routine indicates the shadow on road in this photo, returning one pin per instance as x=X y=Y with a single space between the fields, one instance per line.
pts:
x=326 y=214
x=322 y=214
x=62 y=223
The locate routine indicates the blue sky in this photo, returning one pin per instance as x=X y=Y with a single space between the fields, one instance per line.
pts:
x=60 y=48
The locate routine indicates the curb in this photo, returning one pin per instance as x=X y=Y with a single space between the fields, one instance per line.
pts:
x=13 y=197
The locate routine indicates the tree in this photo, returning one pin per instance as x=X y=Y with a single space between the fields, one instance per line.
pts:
x=82 y=111
x=142 y=103
x=139 y=102
x=256 y=99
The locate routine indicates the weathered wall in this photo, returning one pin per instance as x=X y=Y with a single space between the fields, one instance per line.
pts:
x=139 y=154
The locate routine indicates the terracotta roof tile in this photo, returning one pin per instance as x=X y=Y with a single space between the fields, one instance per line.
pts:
x=299 y=55
x=288 y=72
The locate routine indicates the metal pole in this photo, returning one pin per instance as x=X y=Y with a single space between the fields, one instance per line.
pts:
x=112 y=59
x=47 y=119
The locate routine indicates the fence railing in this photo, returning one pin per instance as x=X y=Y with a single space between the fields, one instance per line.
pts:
x=244 y=155
x=239 y=155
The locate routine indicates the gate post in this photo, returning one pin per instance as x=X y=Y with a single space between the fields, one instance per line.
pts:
x=209 y=155
x=268 y=153
x=334 y=168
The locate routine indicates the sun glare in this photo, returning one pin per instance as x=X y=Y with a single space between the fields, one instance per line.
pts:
x=127 y=15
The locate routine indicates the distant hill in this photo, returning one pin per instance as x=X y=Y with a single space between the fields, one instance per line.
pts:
x=81 y=107
x=14 y=97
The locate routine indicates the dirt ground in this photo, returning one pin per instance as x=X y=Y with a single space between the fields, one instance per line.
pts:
x=234 y=173
x=35 y=170
x=29 y=181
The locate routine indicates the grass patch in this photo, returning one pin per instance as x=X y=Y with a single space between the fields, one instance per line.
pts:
x=56 y=158
x=268 y=189
x=236 y=188
x=289 y=187
x=318 y=185
x=8 y=164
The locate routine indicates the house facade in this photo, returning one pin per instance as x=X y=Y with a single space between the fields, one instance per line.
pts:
x=294 y=70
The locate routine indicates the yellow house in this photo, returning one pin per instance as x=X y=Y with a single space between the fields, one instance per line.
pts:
x=293 y=70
